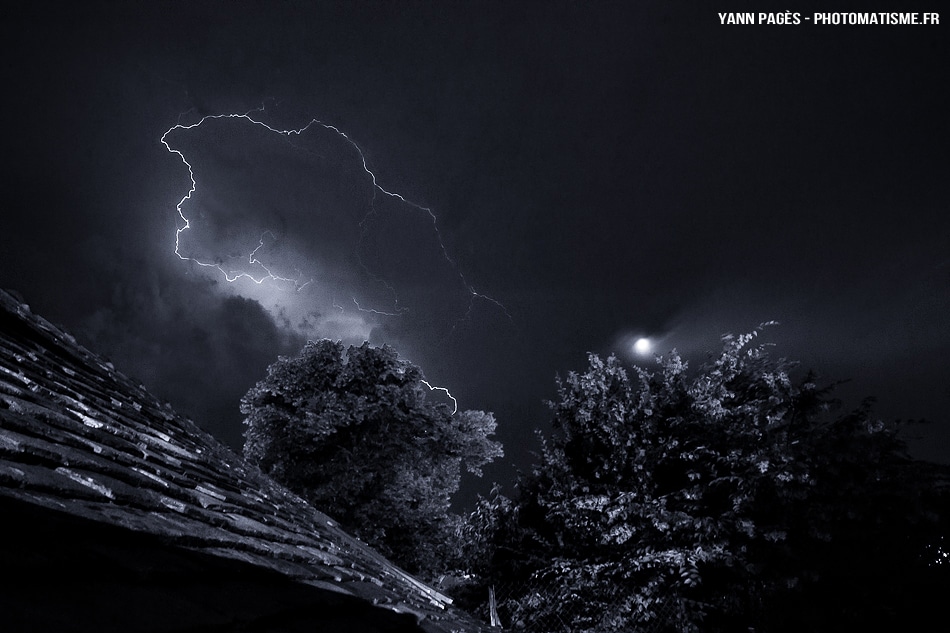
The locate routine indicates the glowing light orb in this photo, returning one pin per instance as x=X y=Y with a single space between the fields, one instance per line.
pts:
x=642 y=346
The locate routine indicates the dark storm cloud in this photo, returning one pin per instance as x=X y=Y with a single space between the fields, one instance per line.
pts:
x=298 y=221
x=187 y=343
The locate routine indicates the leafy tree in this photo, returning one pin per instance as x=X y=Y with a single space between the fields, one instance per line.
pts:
x=729 y=499
x=351 y=431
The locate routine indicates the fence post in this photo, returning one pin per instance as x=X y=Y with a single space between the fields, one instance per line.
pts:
x=493 y=608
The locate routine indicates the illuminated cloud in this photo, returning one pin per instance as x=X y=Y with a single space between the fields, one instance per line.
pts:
x=296 y=220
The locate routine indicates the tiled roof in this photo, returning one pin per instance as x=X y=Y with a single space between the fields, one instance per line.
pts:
x=78 y=437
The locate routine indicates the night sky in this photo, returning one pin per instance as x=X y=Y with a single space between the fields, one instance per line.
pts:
x=552 y=179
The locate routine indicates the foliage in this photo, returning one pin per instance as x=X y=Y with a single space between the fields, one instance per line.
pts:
x=728 y=499
x=351 y=431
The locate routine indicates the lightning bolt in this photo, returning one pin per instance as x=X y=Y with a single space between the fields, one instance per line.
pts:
x=231 y=276
x=268 y=274
x=374 y=311
x=446 y=391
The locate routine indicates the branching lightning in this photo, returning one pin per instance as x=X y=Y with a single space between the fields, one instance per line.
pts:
x=399 y=311
x=268 y=274
x=232 y=276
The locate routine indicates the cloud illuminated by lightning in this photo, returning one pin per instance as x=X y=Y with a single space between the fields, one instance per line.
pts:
x=268 y=274
x=265 y=273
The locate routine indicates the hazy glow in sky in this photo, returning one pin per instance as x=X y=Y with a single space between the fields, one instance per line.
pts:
x=642 y=346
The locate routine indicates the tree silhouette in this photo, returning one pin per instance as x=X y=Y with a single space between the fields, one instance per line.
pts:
x=351 y=431
x=733 y=498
